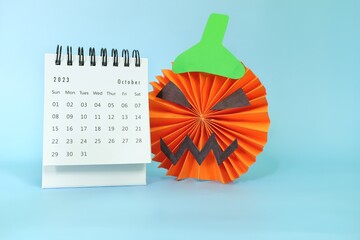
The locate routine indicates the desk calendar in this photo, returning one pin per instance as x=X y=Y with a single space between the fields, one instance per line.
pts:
x=96 y=119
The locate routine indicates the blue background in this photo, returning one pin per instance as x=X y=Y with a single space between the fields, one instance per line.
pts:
x=306 y=183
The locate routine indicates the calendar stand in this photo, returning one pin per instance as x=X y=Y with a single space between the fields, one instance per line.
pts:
x=93 y=175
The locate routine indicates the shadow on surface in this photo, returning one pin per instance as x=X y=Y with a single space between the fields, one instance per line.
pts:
x=261 y=168
x=155 y=174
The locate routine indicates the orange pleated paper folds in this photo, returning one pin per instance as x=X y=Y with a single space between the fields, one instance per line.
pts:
x=172 y=123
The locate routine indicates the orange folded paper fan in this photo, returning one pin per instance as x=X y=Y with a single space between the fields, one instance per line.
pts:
x=227 y=138
x=204 y=122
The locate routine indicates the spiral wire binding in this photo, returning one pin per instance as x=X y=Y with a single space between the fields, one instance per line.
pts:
x=103 y=54
x=115 y=55
x=125 y=55
x=136 y=53
x=81 y=56
x=69 y=56
x=92 y=56
x=58 y=55
x=104 y=57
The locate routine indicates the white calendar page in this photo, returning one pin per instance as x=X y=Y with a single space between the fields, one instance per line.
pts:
x=95 y=114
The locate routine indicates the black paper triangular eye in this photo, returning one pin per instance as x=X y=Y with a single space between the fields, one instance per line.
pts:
x=236 y=99
x=173 y=94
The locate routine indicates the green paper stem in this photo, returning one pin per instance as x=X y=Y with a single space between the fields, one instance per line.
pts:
x=209 y=55
x=215 y=29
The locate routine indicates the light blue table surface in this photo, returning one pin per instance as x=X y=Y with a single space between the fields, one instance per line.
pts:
x=306 y=183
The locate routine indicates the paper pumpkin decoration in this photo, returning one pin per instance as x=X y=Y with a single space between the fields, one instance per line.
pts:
x=205 y=124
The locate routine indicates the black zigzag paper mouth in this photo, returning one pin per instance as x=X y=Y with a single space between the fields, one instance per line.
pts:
x=188 y=144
